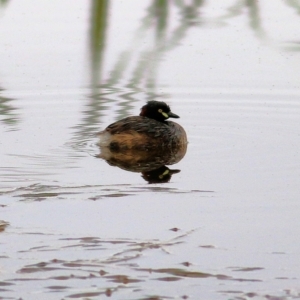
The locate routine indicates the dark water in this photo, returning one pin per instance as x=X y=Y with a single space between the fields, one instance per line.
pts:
x=226 y=226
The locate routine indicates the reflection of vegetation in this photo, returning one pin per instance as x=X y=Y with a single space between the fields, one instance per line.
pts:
x=253 y=13
x=98 y=29
x=136 y=67
x=7 y=110
x=234 y=10
x=294 y=46
x=98 y=37
x=254 y=17
x=294 y=4
x=148 y=60
x=255 y=22
x=3 y=2
x=105 y=92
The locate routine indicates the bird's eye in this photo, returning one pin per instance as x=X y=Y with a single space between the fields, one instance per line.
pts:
x=163 y=113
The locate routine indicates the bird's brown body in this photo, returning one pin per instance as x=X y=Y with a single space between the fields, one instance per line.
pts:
x=142 y=133
x=148 y=132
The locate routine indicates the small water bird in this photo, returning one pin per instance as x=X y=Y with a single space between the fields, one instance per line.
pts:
x=147 y=132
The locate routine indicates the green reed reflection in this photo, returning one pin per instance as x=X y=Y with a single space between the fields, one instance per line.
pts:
x=99 y=15
x=97 y=43
x=141 y=76
x=3 y=2
x=254 y=17
x=7 y=111
x=253 y=14
x=294 y=4
x=134 y=72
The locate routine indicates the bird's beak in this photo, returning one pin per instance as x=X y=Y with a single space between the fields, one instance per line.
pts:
x=171 y=115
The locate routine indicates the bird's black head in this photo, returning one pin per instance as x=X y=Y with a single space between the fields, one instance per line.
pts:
x=157 y=110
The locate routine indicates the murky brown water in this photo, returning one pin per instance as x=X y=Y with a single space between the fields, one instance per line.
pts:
x=226 y=226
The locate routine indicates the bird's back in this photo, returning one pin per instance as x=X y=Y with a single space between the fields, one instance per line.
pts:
x=142 y=133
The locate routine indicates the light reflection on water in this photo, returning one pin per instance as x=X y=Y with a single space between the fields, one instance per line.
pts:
x=225 y=226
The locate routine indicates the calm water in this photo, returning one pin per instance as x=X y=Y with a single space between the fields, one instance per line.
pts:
x=226 y=226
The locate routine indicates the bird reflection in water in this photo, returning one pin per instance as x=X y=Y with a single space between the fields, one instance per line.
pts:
x=145 y=143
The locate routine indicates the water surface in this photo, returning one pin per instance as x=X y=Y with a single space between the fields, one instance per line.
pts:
x=224 y=227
